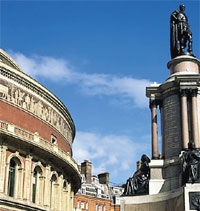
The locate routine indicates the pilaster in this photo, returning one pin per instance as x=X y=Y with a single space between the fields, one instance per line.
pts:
x=68 y=196
x=47 y=186
x=2 y=167
x=27 y=181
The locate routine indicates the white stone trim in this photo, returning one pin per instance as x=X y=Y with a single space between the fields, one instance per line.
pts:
x=2 y=167
x=38 y=141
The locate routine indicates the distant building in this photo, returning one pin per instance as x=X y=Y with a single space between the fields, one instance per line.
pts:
x=95 y=193
x=37 y=171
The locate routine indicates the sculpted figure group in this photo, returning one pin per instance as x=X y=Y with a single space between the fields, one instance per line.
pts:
x=139 y=183
x=190 y=164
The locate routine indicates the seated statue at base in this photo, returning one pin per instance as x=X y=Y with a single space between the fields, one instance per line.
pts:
x=139 y=183
x=190 y=160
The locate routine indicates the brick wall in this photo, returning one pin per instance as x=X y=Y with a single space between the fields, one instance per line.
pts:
x=28 y=122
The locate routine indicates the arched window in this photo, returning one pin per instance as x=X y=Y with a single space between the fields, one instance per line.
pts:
x=14 y=176
x=11 y=178
x=37 y=185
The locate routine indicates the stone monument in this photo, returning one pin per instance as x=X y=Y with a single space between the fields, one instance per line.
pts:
x=174 y=173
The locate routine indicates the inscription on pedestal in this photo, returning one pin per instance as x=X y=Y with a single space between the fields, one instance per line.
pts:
x=172 y=127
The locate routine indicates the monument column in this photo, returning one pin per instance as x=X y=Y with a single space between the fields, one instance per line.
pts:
x=195 y=128
x=184 y=116
x=154 y=129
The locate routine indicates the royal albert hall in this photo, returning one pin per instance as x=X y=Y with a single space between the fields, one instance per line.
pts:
x=37 y=171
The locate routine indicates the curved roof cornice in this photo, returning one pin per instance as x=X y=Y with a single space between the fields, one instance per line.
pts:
x=6 y=59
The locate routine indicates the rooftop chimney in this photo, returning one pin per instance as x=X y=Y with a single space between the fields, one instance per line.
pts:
x=86 y=169
x=104 y=178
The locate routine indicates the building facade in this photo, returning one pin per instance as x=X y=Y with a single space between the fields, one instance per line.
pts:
x=95 y=193
x=37 y=171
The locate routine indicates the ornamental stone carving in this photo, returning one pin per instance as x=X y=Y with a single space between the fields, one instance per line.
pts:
x=18 y=97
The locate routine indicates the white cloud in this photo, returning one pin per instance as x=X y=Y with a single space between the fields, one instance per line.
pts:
x=124 y=88
x=43 y=66
x=109 y=152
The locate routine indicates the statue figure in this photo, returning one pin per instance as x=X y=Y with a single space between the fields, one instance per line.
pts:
x=180 y=33
x=139 y=183
x=191 y=164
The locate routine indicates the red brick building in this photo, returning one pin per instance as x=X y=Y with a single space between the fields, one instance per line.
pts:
x=37 y=171
x=96 y=194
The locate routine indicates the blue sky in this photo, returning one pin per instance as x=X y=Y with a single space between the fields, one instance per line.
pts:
x=98 y=57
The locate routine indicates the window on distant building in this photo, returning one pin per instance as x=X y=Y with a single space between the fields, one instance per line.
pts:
x=82 y=205
x=86 y=207
x=104 y=209
x=78 y=204
x=96 y=207
x=100 y=207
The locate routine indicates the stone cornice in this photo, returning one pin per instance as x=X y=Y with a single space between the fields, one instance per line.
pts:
x=31 y=84
x=5 y=58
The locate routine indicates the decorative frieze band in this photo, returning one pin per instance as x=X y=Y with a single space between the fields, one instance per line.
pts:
x=20 y=98
x=37 y=89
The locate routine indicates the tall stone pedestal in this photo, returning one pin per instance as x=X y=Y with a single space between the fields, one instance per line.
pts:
x=165 y=175
x=184 y=65
x=156 y=182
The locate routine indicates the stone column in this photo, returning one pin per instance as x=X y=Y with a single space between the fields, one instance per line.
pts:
x=154 y=129
x=2 y=167
x=184 y=115
x=195 y=127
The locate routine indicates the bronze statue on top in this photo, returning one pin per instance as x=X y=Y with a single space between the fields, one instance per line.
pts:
x=180 y=33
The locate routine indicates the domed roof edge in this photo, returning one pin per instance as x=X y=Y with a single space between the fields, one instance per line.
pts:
x=6 y=59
